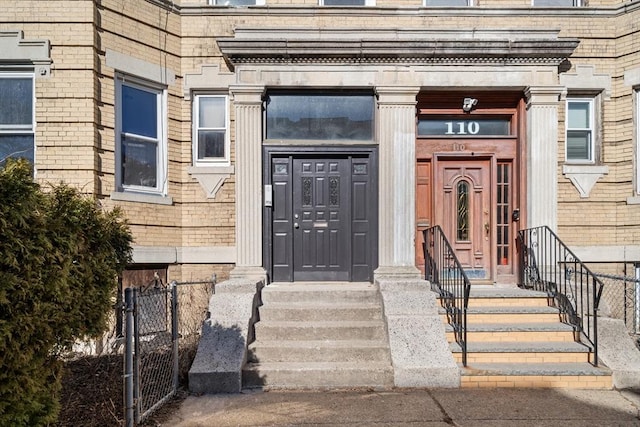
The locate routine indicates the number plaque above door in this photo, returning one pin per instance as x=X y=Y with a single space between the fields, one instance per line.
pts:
x=464 y=127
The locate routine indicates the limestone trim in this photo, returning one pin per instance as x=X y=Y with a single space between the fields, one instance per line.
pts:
x=184 y=254
x=584 y=177
x=586 y=80
x=247 y=101
x=211 y=178
x=138 y=67
x=130 y=196
x=396 y=140
x=15 y=51
x=296 y=46
x=210 y=78
x=542 y=155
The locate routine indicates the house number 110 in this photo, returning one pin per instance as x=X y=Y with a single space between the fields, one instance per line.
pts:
x=462 y=128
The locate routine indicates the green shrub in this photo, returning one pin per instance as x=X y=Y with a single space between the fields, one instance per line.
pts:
x=60 y=255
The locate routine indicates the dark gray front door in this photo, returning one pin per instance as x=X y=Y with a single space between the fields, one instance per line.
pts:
x=321 y=227
x=323 y=218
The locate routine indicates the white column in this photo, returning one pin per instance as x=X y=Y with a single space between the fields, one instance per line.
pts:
x=542 y=156
x=396 y=129
x=247 y=101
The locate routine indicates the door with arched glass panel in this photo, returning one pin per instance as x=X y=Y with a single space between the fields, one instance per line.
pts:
x=465 y=212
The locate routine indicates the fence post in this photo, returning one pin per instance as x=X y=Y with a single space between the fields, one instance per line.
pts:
x=128 y=360
x=174 y=332
x=136 y=356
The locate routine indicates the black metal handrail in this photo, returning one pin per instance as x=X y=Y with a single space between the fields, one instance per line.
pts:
x=548 y=265
x=444 y=271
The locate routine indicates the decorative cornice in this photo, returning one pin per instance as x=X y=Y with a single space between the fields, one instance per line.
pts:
x=274 y=47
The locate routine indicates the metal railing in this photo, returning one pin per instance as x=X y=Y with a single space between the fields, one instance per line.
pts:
x=447 y=277
x=158 y=338
x=548 y=265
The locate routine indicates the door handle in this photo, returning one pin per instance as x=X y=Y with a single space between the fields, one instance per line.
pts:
x=487 y=227
x=296 y=225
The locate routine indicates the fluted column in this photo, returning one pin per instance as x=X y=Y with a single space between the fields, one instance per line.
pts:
x=247 y=101
x=542 y=156
x=397 y=181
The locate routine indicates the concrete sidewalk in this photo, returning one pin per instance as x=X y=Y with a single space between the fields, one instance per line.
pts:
x=420 y=407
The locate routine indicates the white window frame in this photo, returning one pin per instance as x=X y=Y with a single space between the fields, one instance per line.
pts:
x=23 y=129
x=636 y=93
x=161 y=140
x=469 y=4
x=592 y=130
x=222 y=3
x=221 y=161
x=366 y=3
x=576 y=3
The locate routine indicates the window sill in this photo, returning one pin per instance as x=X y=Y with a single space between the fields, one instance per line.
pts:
x=635 y=200
x=584 y=177
x=142 y=198
x=211 y=178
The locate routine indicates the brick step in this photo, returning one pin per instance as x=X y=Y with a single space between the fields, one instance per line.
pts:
x=314 y=311
x=317 y=375
x=509 y=314
x=364 y=351
x=321 y=330
x=536 y=375
x=361 y=293
x=523 y=352
x=515 y=332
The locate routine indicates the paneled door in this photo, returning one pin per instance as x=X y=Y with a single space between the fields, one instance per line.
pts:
x=321 y=226
x=323 y=218
x=464 y=211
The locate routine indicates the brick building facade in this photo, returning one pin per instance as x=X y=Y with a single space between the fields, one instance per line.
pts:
x=164 y=108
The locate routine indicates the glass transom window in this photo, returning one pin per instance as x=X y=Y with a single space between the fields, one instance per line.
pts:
x=315 y=116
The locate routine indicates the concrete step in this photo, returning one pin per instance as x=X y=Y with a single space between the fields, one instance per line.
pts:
x=515 y=332
x=317 y=375
x=523 y=352
x=314 y=311
x=363 y=351
x=297 y=292
x=320 y=330
x=509 y=314
x=539 y=375
x=493 y=296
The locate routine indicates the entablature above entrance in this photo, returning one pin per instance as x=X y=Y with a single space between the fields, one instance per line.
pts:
x=277 y=46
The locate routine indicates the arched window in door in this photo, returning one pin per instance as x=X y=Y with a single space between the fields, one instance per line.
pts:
x=462 y=211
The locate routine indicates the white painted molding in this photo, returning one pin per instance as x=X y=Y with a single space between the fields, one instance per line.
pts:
x=138 y=67
x=635 y=200
x=584 y=177
x=586 y=79
x=184 y=254
x=16 y=51
x=211 y=178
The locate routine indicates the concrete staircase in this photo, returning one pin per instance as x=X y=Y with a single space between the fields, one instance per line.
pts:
x=319 y=335
x=516 y=340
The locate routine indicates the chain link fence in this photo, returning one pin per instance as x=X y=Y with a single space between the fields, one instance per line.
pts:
x=621 y=295
x=162 y=327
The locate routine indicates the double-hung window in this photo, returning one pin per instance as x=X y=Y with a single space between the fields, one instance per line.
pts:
x=211 y=130
x=141 y=147
x=580 y=130
x=17 y=116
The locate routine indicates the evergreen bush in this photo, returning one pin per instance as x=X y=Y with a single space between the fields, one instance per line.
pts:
x=60 y=255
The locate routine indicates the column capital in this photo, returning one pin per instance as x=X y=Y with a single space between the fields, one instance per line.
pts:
x=543 y=95
x=397 y=95
x=247 y=94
